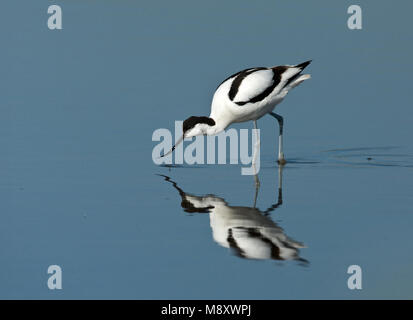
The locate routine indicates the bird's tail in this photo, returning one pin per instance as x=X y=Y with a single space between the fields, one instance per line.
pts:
x=297 y=81
x=298 y=77
x=303 y=65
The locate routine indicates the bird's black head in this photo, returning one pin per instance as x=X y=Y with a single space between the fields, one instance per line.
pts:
x=189 y=129
x=191 y=122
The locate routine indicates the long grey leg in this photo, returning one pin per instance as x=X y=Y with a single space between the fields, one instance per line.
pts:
x=256 y=150
x=281 y=159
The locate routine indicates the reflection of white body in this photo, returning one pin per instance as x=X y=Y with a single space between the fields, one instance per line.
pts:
x=246 y=230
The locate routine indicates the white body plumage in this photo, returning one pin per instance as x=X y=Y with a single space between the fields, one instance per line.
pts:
x=246 y=96
x=225 y=111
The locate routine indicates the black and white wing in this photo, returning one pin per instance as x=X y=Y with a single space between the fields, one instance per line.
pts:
x=252 y=86
x=256 y=84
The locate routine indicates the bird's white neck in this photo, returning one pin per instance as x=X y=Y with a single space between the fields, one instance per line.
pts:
x=212 y=130
x=221 y=123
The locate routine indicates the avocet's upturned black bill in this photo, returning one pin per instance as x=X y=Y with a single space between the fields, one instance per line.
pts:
x=247 y=96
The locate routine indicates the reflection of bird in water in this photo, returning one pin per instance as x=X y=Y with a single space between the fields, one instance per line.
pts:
x=251 y=233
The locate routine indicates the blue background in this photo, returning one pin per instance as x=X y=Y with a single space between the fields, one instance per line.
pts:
x=78 y=186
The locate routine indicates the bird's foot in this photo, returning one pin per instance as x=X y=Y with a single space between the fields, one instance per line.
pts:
x=281 y=161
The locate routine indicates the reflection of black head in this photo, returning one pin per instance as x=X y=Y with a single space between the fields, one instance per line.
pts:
x=192 y=121
x=185 y=204
x=190 y=208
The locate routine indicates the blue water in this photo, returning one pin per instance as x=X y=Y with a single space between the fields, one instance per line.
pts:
x=78 y=187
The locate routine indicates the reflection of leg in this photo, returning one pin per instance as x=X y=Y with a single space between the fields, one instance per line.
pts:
x=256 y=150
x=281 y=159
x=280 y=192
x=257 y=188
x=280 y=185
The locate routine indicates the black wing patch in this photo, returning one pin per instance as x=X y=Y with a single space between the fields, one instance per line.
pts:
x=238 y=80
x=276 y=78
x=236 y=74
